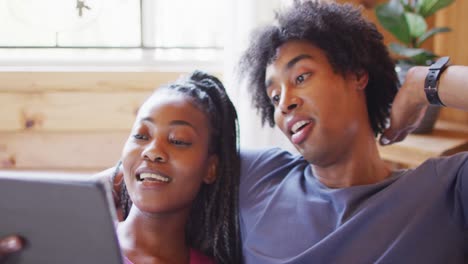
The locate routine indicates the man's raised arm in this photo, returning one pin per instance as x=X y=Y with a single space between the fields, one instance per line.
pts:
x=411 y=101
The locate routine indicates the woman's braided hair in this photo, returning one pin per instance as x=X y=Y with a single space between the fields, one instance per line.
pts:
x=213 y=225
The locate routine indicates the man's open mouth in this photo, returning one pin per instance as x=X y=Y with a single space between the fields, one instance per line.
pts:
x=299 y=125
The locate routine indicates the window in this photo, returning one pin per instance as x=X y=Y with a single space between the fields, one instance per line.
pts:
x=175 y=27
x=192 y=23
x=70 y=23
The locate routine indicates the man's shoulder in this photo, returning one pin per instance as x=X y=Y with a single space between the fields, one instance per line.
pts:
x=266 y=164
x=265 y=155
x=263 y=171
x=456 y=160
x=445 y=167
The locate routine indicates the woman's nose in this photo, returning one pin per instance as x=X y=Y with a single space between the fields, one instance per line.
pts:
x=154 y=152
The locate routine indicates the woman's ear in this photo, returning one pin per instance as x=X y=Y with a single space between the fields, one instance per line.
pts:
x=212 y=169
x=362 y=79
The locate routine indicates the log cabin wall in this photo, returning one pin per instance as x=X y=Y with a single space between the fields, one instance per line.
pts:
x=73 y=121
x=452 y=44
x=56 y=120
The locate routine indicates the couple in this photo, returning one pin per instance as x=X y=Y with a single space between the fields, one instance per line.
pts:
x=322 y=75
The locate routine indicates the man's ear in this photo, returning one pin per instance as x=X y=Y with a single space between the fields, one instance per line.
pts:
x=212 y=169
x=362 y=79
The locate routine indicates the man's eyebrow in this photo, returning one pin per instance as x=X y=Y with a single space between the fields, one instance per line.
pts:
x=295 y=60
x=289 y=65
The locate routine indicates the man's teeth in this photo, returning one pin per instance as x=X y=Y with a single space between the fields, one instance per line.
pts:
x=296 y=127
x=152 y=176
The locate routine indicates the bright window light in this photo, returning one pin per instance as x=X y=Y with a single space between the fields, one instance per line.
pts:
x=148 y=24
x=192 y=24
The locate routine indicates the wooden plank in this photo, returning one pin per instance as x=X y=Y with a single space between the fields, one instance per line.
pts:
x=72 y=111
x=453 y=115
x=453 y=44
x=446 y=139
x=27 y=82
x=91 y=151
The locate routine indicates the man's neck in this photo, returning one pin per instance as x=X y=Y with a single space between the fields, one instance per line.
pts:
x=360 y=166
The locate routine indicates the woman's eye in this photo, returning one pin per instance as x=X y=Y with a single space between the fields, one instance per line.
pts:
x=301 y=78
x=140 y=137
x=275 y=99
x=180 y=142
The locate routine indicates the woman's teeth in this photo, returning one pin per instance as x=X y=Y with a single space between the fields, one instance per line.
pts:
x=153 y=177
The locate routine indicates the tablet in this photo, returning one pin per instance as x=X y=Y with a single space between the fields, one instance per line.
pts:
x=64 y=217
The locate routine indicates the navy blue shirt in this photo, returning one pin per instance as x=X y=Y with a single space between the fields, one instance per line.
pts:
x=413 y=216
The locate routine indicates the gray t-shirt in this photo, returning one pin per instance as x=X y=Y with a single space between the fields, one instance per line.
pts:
x=413 y=216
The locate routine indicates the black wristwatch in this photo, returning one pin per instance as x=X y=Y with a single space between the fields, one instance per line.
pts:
x=432 y=81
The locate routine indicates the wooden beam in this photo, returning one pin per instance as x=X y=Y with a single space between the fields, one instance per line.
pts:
x=27 y=82
x=90 y=151
x=446 y=139
x=453 y=44
x=69 y=111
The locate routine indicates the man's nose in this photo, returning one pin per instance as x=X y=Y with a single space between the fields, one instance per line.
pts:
x=288 y=101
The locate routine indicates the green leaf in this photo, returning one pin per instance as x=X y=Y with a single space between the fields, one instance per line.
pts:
x=429 y=7
x=407 y=7
x=415 y=56
x=405 y=51
x=417 y=24
x=425 y=58
x=431 y=33
x=392 y=17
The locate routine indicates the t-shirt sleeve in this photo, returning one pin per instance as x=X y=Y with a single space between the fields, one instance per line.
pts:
x=262 y=170
x=258 y=164
x=462 y=188
x=456 y=167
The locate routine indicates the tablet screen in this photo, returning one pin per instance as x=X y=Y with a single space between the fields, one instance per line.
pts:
x=65 y=218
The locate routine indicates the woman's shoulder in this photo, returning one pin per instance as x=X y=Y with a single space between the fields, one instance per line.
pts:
x=197 y=257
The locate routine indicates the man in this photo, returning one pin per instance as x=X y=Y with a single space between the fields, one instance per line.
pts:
x=322 y=75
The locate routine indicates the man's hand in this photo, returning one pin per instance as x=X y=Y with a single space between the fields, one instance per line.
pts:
x=408 y=108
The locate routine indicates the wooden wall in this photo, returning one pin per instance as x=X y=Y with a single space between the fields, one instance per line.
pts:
x=79 y=121
x=453 y=44
x=69 y=120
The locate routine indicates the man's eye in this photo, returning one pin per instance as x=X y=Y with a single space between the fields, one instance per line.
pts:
x=301 y=78
x=140 y=137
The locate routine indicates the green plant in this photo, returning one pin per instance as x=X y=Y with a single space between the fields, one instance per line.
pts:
x=406 y=20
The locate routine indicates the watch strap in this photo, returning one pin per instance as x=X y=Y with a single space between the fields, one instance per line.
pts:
x=432 y=80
